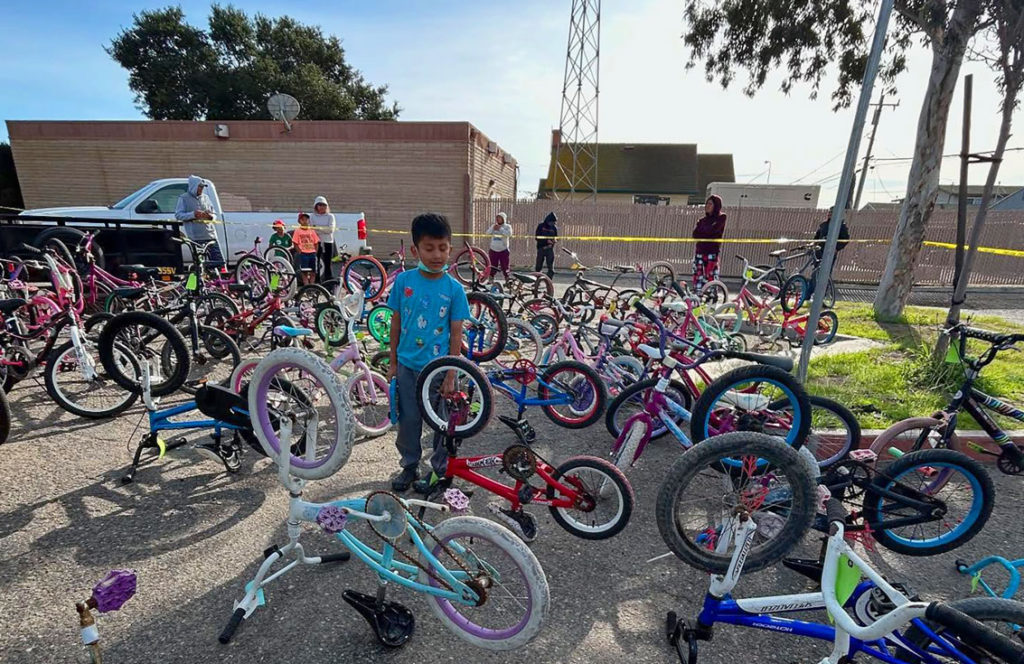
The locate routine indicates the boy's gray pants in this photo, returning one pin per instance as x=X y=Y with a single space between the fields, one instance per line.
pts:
x=410 y=426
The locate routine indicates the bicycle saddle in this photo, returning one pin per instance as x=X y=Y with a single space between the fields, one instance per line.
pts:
x=289 y=331
x=611 y=326
x=238 y=288
x=10 y=306
x=678 y=306
x=625 y=268
x=139 y=270
x=784 y=363
x=525 y=278
x=778 y=252
x=389 y=264
x=650 y=351
x=224 y=405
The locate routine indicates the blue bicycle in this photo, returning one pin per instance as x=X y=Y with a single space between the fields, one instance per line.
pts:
x=755 y=512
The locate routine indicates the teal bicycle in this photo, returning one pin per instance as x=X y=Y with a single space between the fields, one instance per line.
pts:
x=481 y=581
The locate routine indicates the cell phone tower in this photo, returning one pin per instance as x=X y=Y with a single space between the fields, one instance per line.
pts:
x=576 y=154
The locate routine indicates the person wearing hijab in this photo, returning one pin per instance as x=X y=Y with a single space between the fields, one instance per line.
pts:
x=547 y=231
x=323 y=223
x=708 y=231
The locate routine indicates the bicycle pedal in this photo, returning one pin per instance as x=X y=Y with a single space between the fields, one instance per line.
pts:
x=525 y=494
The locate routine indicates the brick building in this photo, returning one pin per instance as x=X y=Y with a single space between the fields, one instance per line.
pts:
x=389 y=170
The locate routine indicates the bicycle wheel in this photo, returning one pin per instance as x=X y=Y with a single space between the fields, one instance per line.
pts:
x=659 y=275
x=378 y=321
x=828 y=325
x=543 y=286
x=637 y=431
x=207 y=302
x=331 y=325
x=729 y=317
x=964 y=490
x=794 y=293
x=5 y=418
x=739 y=400
x=271 y=253
x=517 y=594
x=524 y=343
x=255 y=273
x=366 y=274
x=605 y=505
x=381 y=362
x=486 y=329
x=714 y=293
x=87 y=391
x=469 y=379
x=913 y=434
x=471 y=266
x=769 y=481
x=546 y=326
x=295 y=384
x=145 y=336
x=631 y=400
x=834 y=429
x=241 y=375
x=212 y=362
x=769 y=326
x=584 y=389
x=371 y=409
x=282 y=278
x=1000 y=614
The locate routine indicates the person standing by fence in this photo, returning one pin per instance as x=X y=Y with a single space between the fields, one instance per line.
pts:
x=498 y=252
x=709 y=229
x=547 y=231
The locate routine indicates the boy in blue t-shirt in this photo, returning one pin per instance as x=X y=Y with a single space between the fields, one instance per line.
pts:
x=428 y=308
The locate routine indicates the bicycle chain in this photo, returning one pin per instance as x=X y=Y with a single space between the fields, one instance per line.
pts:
x=471 y=581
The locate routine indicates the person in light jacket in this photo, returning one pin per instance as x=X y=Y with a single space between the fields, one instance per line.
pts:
x=498 y=252
x=195 y=209
x=708 y=230
x=323 y=223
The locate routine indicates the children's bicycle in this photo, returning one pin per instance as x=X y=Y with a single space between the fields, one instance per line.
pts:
x=588 y=497
x=753 y=516
x=939 y=430
x=481 y=582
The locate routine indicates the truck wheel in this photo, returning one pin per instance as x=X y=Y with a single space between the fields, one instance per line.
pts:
x=71 y=237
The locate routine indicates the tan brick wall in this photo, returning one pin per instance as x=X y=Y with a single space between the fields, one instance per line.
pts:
x=390 y=171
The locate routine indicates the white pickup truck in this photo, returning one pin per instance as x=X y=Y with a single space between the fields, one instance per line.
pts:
x=156 y=201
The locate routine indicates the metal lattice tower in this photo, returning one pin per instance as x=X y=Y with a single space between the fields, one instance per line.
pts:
x=576 y=156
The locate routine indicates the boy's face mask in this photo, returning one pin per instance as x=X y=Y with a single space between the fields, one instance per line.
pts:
x=424 y=267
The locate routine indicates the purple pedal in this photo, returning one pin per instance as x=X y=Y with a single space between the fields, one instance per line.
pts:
x=116 y=588
x=455 y=500
x=332 y=519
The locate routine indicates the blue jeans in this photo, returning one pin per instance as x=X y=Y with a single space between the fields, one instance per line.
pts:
x=410 y=425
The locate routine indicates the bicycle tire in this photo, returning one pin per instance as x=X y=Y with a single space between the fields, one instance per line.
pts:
x=665 y=280
x=331 y=325
x=700 y=426
x=543 y=286
x=828 y=321
x=628 y=442
x=782 y=461
x=358 y=398
x=489 y=315
x=828 y=452
x=378 y=321
x=613 y=421
x=982 y=609
x=477 y=388
x=5 y=418
x=209 y=301
x=924 y=426
x=794 y=293
x=255 y=273
x=263 y=423
x=375 y=272
x=476 y=528
x=521 y=337
x=590 y=400
x=614 y=480
x=52 y=384
x=714 y=293
x=119 y=325
x=468 y=270
x=546 y=326
x=966 y=529
x=219 y=345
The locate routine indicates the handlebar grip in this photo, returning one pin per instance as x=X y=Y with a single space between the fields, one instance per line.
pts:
x=639 y=306
x=983 y=335
x=970 y=630
x=835 y=511
x=229 y=630
x=678 y=289
x=29 y=248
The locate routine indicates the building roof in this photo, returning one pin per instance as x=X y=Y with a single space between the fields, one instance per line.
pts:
x=644 y=168
x=977 y=190
x=713 y=168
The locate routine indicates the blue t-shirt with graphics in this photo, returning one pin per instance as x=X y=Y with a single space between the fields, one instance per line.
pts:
x=427 y=308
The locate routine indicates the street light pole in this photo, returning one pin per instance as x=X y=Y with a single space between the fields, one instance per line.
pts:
x=845 y=184
x=769 y=162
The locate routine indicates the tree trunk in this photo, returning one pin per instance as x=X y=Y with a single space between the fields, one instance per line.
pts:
x=922 y=184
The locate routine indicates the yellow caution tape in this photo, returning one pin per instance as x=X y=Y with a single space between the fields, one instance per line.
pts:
x=985 y=250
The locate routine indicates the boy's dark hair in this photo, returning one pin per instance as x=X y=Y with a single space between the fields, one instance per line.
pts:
x=432 y=225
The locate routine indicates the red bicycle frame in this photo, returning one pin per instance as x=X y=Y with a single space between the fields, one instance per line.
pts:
x=521 y=493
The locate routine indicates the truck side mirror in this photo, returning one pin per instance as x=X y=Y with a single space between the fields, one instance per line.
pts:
x=148 y=206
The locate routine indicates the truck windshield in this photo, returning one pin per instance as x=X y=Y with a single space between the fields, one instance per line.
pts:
x=123 y=203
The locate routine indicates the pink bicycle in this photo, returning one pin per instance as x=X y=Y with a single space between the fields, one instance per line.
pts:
x=372 y=277
x=617 y=371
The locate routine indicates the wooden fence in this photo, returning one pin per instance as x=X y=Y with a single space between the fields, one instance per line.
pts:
x=753 y=233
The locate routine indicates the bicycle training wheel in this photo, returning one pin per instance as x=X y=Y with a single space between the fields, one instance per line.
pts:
x=469 y=380
x=295 y=384
x=697 y=503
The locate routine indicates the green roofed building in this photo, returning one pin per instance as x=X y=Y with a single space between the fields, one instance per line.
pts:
x=645 y=173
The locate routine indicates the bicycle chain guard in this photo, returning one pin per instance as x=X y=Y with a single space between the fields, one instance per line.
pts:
x=524 y=372
x=519 y=462
x=379 y=502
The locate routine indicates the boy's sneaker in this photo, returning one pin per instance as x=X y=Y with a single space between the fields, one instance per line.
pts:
x=430 y=484
x=404 y=480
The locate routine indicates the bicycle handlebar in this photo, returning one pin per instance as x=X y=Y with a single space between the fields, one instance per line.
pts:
x=971 y=630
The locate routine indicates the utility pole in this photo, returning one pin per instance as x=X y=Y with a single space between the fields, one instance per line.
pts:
x=871 y=144
x=576 y=152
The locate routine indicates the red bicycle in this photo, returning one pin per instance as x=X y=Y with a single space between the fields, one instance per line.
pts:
x=588 y=497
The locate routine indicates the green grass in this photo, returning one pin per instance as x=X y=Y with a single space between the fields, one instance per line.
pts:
x=898 y=380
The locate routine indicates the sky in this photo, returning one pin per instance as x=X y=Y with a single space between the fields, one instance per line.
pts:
x=500 y=65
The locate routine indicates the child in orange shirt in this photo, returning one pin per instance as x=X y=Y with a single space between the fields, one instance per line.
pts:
x=306 y=239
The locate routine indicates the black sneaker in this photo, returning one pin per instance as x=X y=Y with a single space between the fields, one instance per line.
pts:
x=404 y=480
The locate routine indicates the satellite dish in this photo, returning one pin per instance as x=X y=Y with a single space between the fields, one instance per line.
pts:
x=283 y=107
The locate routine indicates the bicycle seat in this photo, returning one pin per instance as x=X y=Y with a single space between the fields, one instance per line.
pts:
x=129 y=292
x=525 y=278
x=650 y=351
x=238 y=288
x=139 y=270
x=784 y=363
x=389 y=264
x=678 y=306
x=223 y=405
x=289 y=331
x=625 y=268
x=12 y=305
x=777 y=253
x=610 y=326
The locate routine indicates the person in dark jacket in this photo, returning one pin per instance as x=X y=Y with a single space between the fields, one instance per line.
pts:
x=822 y=233
x=547 y=231
x=709 y=229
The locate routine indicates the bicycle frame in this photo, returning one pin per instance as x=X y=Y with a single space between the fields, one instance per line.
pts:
x=498 y=377
x=464 y=468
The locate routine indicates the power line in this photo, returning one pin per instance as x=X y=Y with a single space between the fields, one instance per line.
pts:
x=837 y=156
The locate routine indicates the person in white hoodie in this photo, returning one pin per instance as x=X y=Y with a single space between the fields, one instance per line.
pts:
x=498 y=251
x=324 y=224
